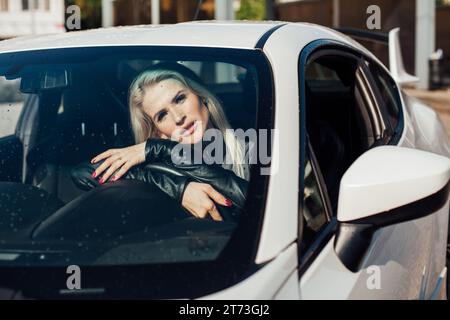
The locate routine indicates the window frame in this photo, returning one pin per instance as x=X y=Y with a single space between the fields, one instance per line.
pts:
x=312 y=51
x=379 y=119
x=327 y=230
x=394 y=133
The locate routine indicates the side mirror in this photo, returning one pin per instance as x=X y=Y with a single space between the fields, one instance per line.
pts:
x=386 y=186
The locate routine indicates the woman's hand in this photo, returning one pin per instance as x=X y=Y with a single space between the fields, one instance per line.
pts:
x=199 y=198
x=118 y=159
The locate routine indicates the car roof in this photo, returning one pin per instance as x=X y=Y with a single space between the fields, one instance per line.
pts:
x=210 y=33
x=225 y=34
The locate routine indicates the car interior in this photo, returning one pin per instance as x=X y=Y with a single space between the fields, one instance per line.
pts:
x=91 y=116
x=70 y=125
x=337 y=118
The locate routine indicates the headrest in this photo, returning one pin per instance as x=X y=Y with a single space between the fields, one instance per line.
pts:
x=177 y=67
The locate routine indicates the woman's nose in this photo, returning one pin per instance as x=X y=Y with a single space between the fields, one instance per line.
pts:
x=178 y=117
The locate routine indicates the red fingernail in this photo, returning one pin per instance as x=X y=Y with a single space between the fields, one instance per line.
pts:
x=228 y=203
x=94 y=175
x=102 y=180
x=114 y=179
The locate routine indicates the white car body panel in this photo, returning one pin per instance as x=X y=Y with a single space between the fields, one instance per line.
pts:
x=327 y=277
x=427 y=130
x=289 y=290
x=265 y=283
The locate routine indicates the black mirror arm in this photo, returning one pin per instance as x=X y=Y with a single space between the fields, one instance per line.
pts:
x=353 y=238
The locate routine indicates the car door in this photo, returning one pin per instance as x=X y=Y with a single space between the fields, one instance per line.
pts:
x=396 y=264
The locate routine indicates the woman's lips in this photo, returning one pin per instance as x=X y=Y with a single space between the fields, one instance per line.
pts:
x=190 y=130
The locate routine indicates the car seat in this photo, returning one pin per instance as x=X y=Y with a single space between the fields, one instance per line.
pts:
x=328 y=145
x=87 y=123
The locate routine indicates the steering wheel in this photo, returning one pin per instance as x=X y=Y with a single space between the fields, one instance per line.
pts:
x=111 y=211
x=82 y=178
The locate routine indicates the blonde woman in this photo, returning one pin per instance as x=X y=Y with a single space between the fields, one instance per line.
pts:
x=170 y=105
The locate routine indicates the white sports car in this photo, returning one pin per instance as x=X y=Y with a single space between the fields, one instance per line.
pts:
x=356 y=205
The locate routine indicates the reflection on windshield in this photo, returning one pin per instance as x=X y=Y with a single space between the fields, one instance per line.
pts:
x=11 y=103
x=53 y=212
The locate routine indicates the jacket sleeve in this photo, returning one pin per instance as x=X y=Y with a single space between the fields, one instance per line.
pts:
x=181 y=158
x=159 y=150
x=223 y=180
x=172 y=185
x=175 y=173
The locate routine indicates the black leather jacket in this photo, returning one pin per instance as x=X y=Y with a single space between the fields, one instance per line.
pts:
x=170 y=176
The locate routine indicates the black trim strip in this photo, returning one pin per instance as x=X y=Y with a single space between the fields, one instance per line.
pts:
x=262 y=41
x=414 y=210
x=365 y=35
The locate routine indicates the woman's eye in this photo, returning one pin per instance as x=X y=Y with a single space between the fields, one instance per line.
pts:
x=180 y=98
x=161 y=116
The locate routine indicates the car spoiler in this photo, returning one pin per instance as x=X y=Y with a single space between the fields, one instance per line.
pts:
x=392 y=40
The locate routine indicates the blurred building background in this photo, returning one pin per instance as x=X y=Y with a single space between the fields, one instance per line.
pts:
x=409 y=15
x=30 y=17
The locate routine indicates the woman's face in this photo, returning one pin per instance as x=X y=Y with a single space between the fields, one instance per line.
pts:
x=177 y=113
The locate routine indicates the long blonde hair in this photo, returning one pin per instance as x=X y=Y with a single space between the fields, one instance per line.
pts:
x=144 y=128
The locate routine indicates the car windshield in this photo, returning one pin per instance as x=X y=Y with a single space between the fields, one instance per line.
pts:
x=59 y=108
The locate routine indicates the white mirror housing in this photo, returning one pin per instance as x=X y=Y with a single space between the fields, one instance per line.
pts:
x=388 y=177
